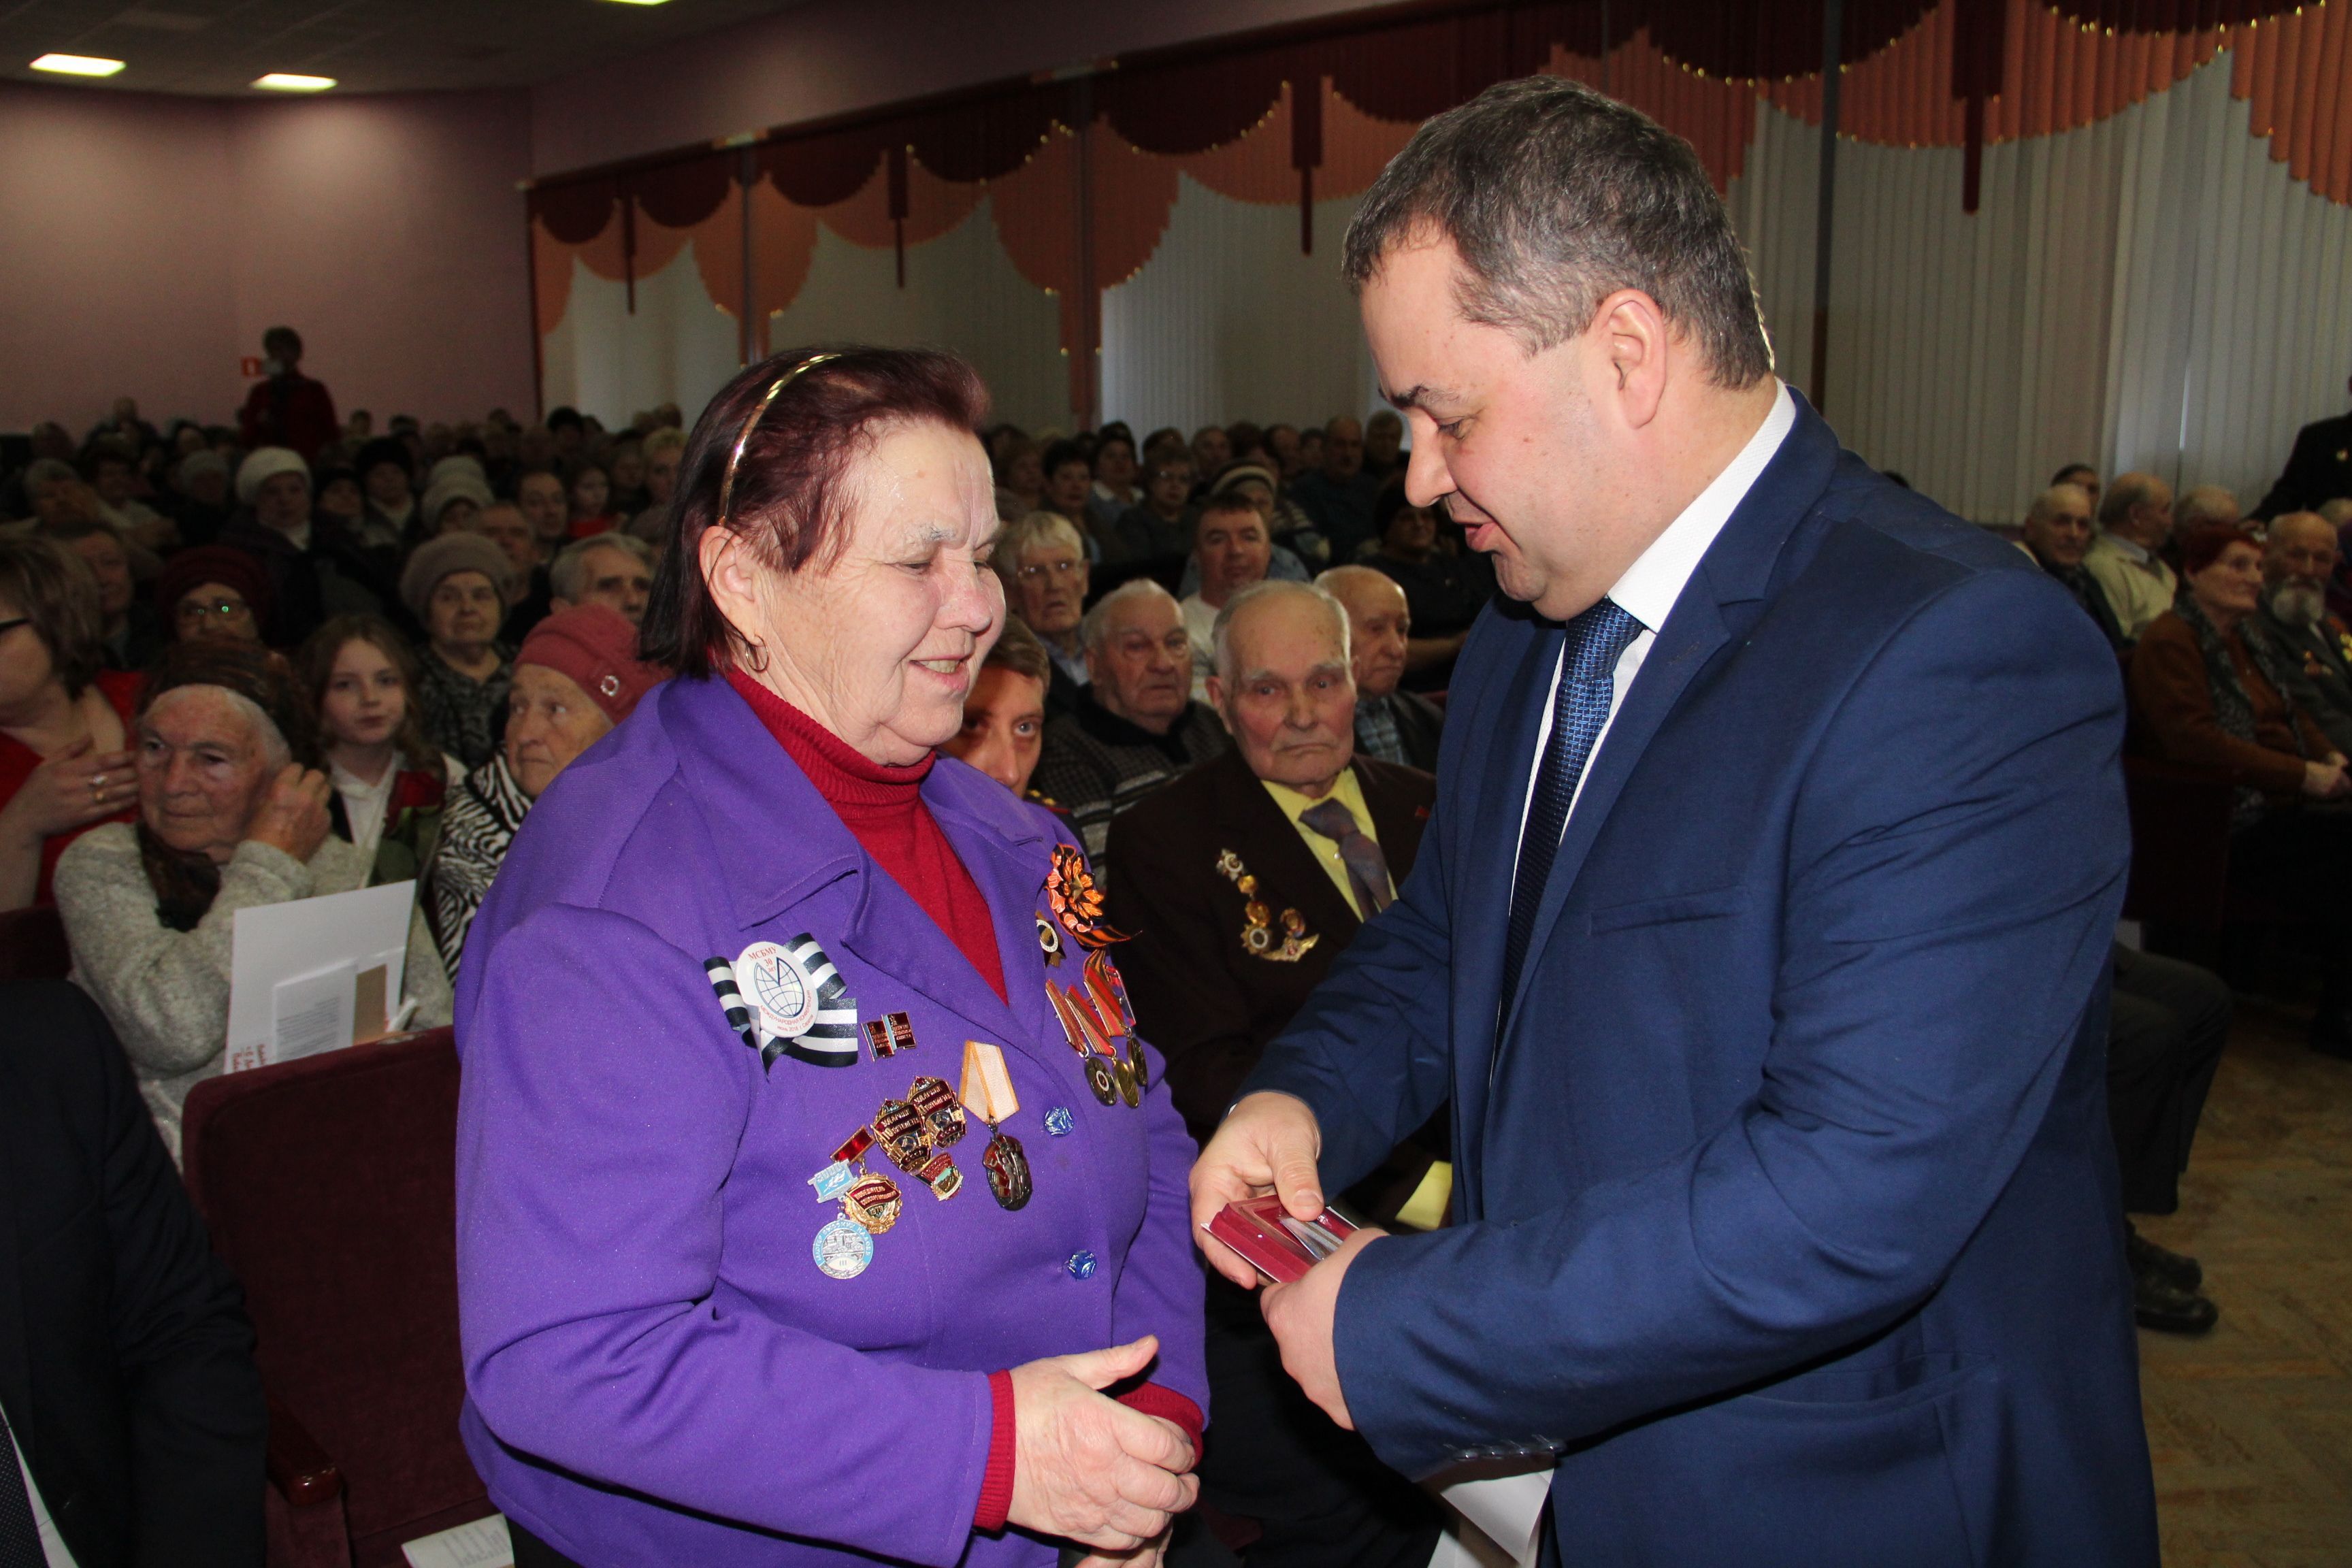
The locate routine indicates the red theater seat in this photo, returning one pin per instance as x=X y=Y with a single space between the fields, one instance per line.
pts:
x=328 y=1186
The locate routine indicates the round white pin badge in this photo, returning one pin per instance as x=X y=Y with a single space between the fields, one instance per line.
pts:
x=775 y=983
x=843 y=1249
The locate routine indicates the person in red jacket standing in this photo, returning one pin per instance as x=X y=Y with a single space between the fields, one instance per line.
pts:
x=287 y=408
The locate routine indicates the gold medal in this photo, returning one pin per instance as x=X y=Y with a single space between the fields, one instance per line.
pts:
x=942 y=1116
x=874 y=1202
x=903 y=1136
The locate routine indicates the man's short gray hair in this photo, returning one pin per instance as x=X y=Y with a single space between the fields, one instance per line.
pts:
x=1031 y=530
x=1221 y=642
x=1556 y=197
x=2045 y=505
x=1094 y=630
x=567 y=574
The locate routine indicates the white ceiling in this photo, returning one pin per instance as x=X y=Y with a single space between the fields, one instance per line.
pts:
x=218 y=47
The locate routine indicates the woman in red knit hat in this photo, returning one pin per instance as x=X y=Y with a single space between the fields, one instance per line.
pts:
x=575 y=677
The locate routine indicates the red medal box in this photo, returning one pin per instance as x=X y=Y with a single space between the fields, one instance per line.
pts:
x=1282 y=1249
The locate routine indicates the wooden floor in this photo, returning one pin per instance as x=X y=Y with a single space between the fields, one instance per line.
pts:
x=2250 y=1426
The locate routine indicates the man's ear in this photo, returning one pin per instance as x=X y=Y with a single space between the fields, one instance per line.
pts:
x=1217 y=695
x=1638 y=347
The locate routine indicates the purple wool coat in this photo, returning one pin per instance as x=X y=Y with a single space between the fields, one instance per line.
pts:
x=656 y=1370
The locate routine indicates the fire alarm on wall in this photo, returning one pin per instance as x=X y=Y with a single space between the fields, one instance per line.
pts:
x=248 y=366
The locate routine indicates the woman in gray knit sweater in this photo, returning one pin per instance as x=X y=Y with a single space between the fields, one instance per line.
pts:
x=229 y=819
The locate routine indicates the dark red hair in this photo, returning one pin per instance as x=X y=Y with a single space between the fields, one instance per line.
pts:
x=789 y=499
x=2200 y=547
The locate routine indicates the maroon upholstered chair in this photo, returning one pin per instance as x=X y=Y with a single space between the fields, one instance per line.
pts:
x=33 y=944
x=328 y=1186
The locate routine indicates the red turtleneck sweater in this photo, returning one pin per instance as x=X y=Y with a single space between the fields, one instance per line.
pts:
x=883 y=809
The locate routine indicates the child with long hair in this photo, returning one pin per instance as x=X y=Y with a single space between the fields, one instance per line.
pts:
x=390 y=781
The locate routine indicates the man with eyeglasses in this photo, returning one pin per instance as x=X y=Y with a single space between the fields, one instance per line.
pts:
x=1136 y=725
x=1044 y=563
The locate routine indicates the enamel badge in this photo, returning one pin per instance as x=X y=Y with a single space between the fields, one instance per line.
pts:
x=1077 y=903
x=798 y=1002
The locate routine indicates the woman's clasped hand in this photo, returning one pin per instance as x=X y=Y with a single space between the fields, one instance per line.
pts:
x=1088 y=1469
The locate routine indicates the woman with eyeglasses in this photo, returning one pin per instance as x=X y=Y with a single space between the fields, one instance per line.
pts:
x=64 y=756
x=213 y=594
x=1044 y=563
x=811 y=1188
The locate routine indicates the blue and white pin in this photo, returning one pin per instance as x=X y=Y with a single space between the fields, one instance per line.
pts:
x=787 y=998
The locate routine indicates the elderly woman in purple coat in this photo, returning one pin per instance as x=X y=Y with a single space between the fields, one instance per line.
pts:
x=817 y=1204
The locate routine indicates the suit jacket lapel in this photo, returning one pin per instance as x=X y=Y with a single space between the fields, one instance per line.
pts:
x=1289 y=877
x=1491 y=800
x=1395 y=823
x=1735 y=568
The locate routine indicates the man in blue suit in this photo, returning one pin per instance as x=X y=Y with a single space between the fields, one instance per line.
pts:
x=1759 y=938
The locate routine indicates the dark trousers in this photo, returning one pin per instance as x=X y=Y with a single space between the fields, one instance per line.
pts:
x=2300 y=855
x=1321 y=1495
x=2168 y=1024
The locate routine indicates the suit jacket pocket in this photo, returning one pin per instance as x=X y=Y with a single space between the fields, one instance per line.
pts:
x=1839 y=1472
x=1706 y=904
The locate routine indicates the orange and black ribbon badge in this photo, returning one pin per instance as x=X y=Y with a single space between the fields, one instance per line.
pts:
x=1077 y=903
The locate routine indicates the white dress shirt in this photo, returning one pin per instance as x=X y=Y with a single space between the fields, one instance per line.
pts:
x=1650 y=586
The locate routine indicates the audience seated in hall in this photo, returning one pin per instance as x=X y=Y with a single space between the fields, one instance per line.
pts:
x=1244 y=880
x=135 y=1406
x=1391 y=723
x=2300 y=555
x=65 y=757
x=1135 y=725
x=2214 y=697
x=1116 y=471
x=1231 y=550
x=287 y=408
x=2126 y=555
x=575 y=677
x=1005 y=713
x=2057 y=534
x=1043 y=563
x=232 y=814
x=457 y=587
x=663 y=451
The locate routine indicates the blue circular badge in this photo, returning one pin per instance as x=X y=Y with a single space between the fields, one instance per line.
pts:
x=1081 y=1265
x=1057 y=1122
x=843 y=1249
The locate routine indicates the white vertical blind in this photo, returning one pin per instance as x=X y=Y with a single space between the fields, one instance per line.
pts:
x=1229 y=321
x=2150 y=291
x=962 y=292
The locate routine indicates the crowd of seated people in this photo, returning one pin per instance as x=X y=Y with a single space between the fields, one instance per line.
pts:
x=255 y=663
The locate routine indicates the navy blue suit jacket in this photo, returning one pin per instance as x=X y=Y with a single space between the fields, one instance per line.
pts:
x=1787 y=1209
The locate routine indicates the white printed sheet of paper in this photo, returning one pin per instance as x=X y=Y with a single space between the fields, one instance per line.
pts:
x=280 y=955
x=484 y=1544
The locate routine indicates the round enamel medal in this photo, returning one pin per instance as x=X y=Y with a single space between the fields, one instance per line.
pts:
x=773 y=981
x=843 y=1249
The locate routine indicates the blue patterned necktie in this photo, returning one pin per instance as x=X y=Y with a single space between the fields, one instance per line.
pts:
x=1579 y=708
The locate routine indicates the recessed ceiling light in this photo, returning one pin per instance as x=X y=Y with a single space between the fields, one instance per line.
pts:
x=77 y=65
x=641 y=2
x=288 y=82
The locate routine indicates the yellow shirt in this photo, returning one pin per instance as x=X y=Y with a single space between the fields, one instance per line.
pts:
x=1348 y=793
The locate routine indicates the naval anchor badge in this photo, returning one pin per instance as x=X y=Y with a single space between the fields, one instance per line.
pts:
x=1258 y=938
